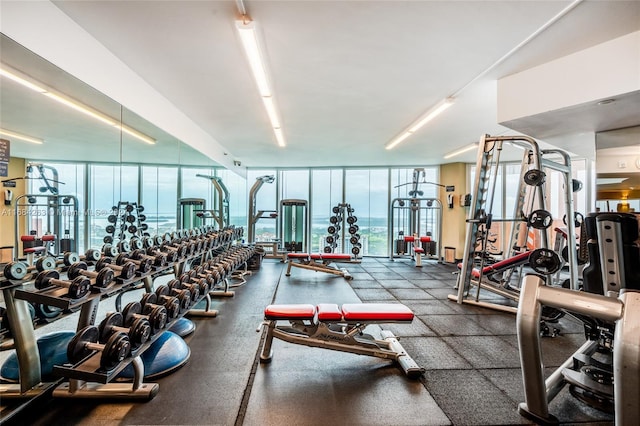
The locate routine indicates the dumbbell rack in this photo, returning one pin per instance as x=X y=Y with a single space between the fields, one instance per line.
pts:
x=339 y=222
x=126 y=221
x=86 y=379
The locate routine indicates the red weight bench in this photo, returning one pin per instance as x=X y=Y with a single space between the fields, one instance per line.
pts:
x=32 y=252
x=320 y=262
x=330 y=326
x=416 y=243
x=491 y=271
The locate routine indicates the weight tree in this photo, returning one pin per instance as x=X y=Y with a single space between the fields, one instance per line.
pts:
x=530 y=198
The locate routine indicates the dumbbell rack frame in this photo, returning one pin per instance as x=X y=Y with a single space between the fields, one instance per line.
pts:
x=85 y=381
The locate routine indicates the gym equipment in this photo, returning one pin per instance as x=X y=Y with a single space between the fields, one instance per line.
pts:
x=320 y=262
x=52 y=348
x=15 y=270
x=417 y=245
x=337 y=328
x=164 y=356
x=190 y=212
x=156 y=315
x=139 y=331
x=220 y=211
x=344 y=241
x=253 y=215
x=150 y=302
x=416 y=216
x=165 y=295
x=85 y=343
x=603 y=372
x=144 y=265
x=126 y=270
x=183 y=327
x=101 y=278
x=62 y=216
x=76 y=289
x=531 y=198
x=545 y=261
x=159 y=259
x=294 y=225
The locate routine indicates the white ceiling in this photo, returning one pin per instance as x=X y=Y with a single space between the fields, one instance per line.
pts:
x=348 y=75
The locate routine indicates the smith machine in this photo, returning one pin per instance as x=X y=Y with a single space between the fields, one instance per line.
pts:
x=220 y=211
x=530 y=216
x=416 y=221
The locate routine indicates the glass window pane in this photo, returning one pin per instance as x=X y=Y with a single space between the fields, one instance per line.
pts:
x=367 y=192
x=327 y=192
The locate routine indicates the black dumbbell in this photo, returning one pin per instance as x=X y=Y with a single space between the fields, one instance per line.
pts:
x=68 y=259
x=159 y=260
x=157 y=316
x=127 y=271
x=139 y=331
x=15 y=270
x=136 y=243
x=149 y=301
x=91 y=255
x=77 y=288
x=85 y=343
x=143 y=265
x=124 y=246
x=45 y=263
x=166 y=295
x=109 y=250
x=171 y=256
x=102 y=278
x=195 y=289
x=180 y=249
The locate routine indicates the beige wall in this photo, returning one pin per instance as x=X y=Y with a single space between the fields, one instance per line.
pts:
x=453 y=219
x=7 y=213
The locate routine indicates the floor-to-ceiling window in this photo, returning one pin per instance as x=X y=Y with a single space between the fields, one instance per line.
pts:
x=327 y=193
x=159 y=193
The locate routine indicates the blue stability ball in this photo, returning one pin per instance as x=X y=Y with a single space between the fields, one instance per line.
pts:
x=183 y=327
x=165 y=355
x=53 y=351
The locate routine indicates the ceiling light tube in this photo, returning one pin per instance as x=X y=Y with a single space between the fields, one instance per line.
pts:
x=11 y=134
x=424 y=119
x=251 y=45
x=249 y=37
x=24 y=80
x=461 y=150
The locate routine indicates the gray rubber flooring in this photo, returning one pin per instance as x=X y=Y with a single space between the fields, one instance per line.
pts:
x=470 y=355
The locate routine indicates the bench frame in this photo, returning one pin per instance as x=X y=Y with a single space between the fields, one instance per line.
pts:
x=320 y=262
x=339 y=335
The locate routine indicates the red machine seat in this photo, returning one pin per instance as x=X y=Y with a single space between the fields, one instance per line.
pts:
x=376 y=312
x=34 y=250
x=316 y=256
x=289 y=312
x=425 y=239
x=25 y=238
x=329 y=312
x=418 y=250
x=409 y=238
x=48 y=237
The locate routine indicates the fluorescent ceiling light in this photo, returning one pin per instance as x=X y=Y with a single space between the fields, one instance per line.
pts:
x=424 y=119
x=18 y=77
x=251 y=45
x=11 y=134
x=461 y=150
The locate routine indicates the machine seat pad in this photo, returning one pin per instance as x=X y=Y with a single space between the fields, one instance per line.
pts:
x=409 y=238
x=376 y=312
x=425 y=239
x=25 y=238
x=316 y=256
x=329 y=312
x=335 y=256
x=34 y=249
x=48 y=238
x=297 y=255
x=290 y=312
x=418 y=250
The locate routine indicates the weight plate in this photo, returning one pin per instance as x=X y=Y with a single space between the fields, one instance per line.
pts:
x=115 y=351
x=105 y=329
x=15 y=270
x=129 y=208
x=129 y=313
x=112 y=218
x=70 y=258
x=142 y=217
x=108 y=239
x=77 y=350
x=45 y=263
x=140 y=209
x=92 y=255
x=132 y=229
x=136 y=243
x=545 y=261
x=534 y=177
x=540 y=219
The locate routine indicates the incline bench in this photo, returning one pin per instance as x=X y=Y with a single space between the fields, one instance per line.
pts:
x=490 y=271
x=320 y=262
x=341 y=329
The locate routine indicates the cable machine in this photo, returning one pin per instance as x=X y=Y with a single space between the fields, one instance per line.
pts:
x=254 y=216
x=415 y=216
x=529 y=209
x=294 y=225
x=220 y=211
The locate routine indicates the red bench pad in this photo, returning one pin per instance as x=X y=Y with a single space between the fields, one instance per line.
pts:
x=335 y=256
x=426 y=239
x=285 y=312
x=329 y=312
x=418 y=250
x=33 y=249
x=48 y=238
x=376 y=312
x=499 y=266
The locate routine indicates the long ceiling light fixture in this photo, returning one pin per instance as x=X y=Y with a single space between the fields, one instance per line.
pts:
x=427 y=117
x=12 y=134
x=250 y=43
x=462 y=150
x=28 y=82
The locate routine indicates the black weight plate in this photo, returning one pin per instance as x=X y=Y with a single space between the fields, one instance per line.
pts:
x=142 y=217
x=117 y=348
x=140 y=209
x=534 y=177
x=129 y=208
x=540 y=219
x=112 y=218
x=108 y=239
x=130 y=311
x=77 y=350
x=92 y=255
x=132 y=229
x=136 y=243
x=69 y=258
x=545 y=261
x=110 y=229
x=15 y=270
x=105 y=329
x=45 y=263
